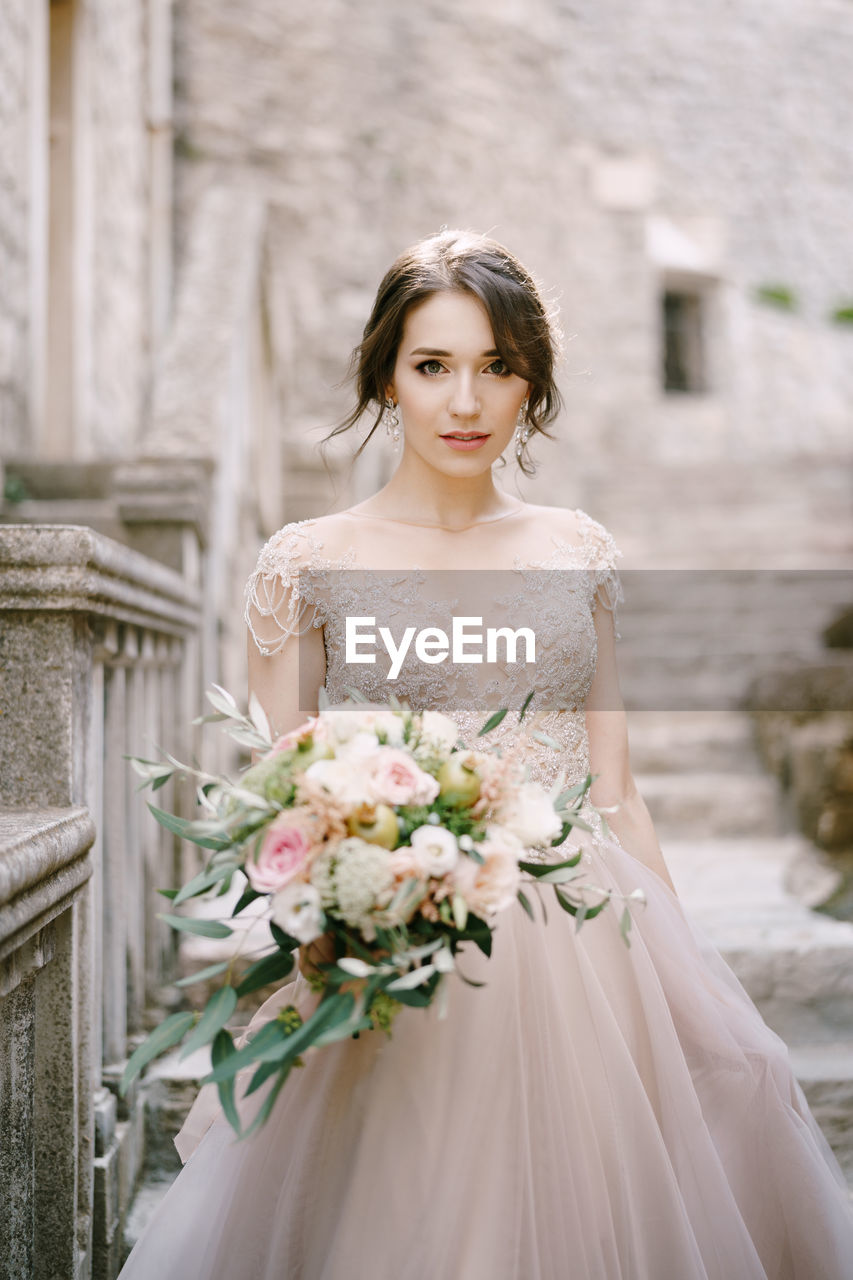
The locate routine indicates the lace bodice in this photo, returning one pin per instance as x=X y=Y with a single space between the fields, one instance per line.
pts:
x=297 y=585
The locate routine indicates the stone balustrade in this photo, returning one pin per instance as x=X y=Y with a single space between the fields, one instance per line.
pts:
x=99 y=659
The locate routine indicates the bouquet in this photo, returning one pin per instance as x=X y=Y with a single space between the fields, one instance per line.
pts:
x=375 y=829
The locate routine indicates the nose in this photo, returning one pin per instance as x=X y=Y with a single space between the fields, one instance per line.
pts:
x=464 y=402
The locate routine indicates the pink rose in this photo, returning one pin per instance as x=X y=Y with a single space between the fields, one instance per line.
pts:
x=284 y=853
x=395 y=778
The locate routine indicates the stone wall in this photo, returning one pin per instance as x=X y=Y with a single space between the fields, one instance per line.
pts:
x=84 y=262
x=20 y=112
x=611 y=146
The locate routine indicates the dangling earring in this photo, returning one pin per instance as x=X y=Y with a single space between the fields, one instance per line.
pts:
x=391 y=418
x=522 y=433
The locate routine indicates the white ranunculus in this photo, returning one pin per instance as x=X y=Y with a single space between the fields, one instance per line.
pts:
x=435 y=849
x=298 y=911
x=530 y=814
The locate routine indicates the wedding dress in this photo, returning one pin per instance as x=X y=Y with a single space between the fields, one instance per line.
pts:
x=596 y=1111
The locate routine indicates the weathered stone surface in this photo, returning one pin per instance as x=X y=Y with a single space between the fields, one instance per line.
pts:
x=53 y=567
x=405 y=114
x=813 y=757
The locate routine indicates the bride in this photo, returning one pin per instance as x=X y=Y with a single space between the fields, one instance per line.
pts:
x=595 y=1111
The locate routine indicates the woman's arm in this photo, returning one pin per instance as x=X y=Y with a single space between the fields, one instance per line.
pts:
x=607 y=728
x=277 y=678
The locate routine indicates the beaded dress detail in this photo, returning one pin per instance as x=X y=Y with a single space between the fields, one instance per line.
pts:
x=296 y=586
x=592 y=1110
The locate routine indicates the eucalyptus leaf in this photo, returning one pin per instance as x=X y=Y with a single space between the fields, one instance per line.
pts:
x=189 y=830
x=546 y=740
x=525 y=902
x=270 y=1035
x=269 y=969
x=205 y=880
x=562 y=876
x=210 y=971
x=216 y=1013
x=222 y=1048
x=493 y=721
x=268 y=1103
x=460 y=911
x=525 y=705
x=358 y=968
x=414 y=978
x=248 y=737
x=200 y=927
x=161 y=1038
x=259 y=717
x=223 y=701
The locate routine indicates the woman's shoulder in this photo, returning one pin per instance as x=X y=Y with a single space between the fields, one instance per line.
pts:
x=303 y=544
x=576 y=528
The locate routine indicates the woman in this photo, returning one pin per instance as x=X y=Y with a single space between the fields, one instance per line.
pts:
x=595 y=1111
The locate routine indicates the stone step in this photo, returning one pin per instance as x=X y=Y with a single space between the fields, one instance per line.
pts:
x=795 y=963
x=708 y=804
x=692 y=741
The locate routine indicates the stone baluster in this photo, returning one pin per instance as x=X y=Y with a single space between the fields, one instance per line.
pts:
x=98 y=659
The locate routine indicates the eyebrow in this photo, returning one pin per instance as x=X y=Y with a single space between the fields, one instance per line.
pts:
x=435 y=351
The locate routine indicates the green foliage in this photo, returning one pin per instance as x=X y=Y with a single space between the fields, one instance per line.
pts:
x=14 y=489
x=843 y=314
x=777 y=295
x=200 y=927
x=161 y=1038
x=492 y=722
x=271 y=968
x=216 y=1013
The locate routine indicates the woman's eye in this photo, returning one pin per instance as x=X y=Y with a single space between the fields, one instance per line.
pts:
x=430 y=367
x=499 y=368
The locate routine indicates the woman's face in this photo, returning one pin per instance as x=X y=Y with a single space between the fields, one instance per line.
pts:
x=458 y=401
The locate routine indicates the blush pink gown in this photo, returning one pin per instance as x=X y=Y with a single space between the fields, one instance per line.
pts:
x=594 y=1112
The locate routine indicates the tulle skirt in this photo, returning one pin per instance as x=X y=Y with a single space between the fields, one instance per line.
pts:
x=595 y=1112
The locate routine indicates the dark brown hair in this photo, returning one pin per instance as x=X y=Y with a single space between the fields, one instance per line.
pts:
x=526 y=336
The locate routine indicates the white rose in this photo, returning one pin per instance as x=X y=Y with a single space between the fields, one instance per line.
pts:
x=530 y=814
x=348 y=780
x=439 y=731
x=297 y=910
x=387 y=723
x=361 y=744
x=435 y=849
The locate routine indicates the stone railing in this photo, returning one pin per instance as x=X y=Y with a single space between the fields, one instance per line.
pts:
x=99 y=659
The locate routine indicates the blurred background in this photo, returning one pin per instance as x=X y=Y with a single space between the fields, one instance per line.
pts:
x=197 y=202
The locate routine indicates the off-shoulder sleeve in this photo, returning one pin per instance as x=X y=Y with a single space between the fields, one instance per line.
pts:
x=606 y=584
x=281 y=589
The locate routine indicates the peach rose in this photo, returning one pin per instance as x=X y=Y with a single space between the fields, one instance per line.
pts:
x=529 y=813
x=492 y=886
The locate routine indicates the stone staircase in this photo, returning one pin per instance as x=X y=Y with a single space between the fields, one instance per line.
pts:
x=751 y=882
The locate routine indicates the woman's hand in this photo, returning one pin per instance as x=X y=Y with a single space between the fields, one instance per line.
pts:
x=312 y=954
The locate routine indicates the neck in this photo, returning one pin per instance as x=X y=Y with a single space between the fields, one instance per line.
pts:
x=423 y=495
